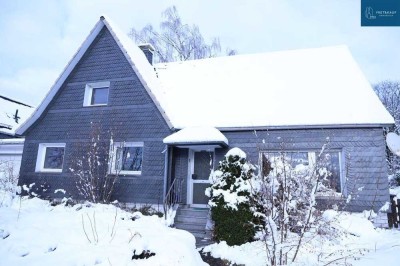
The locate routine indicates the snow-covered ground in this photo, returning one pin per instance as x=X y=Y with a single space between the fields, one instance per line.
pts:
x=356 y=243
x=32 y=232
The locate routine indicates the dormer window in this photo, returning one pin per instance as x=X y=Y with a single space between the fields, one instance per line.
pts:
x=96 y=93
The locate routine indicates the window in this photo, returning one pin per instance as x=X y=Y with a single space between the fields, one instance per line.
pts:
x=96 y=93
x=50 y=157
x=304 y=160
x=127 y=158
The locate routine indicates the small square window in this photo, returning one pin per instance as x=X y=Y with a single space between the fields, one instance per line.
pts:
x=99 y=96
x=50 y=157
x=127 y=158
x=96 y=93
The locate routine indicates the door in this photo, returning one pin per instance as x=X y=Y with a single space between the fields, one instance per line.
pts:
x=201 y=163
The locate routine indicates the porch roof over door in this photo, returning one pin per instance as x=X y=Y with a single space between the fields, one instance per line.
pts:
x=197 y=136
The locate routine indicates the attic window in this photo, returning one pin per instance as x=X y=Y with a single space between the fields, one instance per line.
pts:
x=96 y=93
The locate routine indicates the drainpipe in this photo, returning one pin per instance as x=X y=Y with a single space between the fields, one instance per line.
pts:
x=166 y=170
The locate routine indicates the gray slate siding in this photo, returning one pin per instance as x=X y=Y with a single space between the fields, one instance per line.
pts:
x=130 y=115
x=363 y=151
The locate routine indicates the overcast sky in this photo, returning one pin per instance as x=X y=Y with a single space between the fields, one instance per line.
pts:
x=39 y=37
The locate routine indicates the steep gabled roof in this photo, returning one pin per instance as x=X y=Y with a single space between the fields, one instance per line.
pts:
x=321 y=87
x=143 y=69
x=298 y=88
x=12 y=114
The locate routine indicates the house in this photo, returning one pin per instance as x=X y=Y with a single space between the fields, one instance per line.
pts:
x=177 y=120
x=12 y=114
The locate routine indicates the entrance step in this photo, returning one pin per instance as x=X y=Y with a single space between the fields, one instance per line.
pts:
x=194 y=220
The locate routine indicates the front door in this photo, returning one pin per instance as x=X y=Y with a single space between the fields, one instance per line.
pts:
x=200 y=165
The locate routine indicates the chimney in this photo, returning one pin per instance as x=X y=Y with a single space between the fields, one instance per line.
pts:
x=148 y=51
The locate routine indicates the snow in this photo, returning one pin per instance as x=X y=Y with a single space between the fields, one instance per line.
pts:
x=395 y=191
x=278 y=89
x=196 y=135
x=236 y=152
x=40 y=234
x=8 y=109
x=140 y=64
x=288 y=88
x=356 y=242
x=393 y=142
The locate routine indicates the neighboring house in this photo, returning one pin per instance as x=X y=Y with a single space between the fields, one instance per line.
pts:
x=179 y=119
x=12 y=114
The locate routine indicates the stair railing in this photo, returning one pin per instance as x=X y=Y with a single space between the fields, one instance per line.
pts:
x=173 y=196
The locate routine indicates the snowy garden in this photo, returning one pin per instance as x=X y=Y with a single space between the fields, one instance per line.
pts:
x=285 y=230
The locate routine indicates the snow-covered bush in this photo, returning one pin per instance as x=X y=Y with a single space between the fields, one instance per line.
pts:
x=230 y=199
x=8 y=182
x=394 y=180
x=284 y=202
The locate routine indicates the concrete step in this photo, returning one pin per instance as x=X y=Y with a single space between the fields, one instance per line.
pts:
x=190 y=219
x=190 y=227
x=192 y=212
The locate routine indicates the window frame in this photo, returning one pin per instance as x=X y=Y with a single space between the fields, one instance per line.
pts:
x=90 y=87
x=342 y=174
x=41 y=156
x=113 y=152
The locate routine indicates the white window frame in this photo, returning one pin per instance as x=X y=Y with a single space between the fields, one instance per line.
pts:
x=87 y=100
x=312 y=155
x=42 y=155
x=113 y=155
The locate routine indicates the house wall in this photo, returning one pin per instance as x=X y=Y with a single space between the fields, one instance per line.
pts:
x=363 y=149
x=130 y=115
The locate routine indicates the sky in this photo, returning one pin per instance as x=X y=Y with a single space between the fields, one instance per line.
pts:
x=38 y=38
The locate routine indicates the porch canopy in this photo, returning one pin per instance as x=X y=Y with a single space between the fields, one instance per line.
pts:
x=205 y=137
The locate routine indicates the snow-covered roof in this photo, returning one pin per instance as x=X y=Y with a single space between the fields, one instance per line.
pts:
x=197 y=136
x=12 y=114
x=299 y=88
x=310 y=87
x=135 y=56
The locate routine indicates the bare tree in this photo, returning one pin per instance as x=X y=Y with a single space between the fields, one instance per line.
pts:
x=389 y=93
x=8 y=181
x=177 y=41
x=92 y=165
x=285 y=200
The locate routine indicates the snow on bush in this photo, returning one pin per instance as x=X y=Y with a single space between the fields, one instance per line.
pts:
x=41 y=234
x=230 y=199
x=231 y=185
x=8 y=183
x=355 y=242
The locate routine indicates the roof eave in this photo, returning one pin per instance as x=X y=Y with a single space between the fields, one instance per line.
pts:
x=316 y=126
x=222 y=144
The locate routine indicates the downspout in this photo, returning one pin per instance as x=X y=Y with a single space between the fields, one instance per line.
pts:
x=166 y=170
